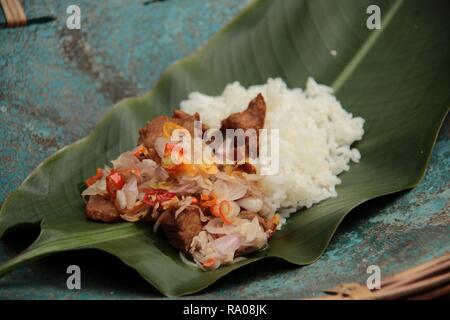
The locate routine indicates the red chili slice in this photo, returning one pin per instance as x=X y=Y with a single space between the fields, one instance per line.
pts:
x=161 y=195
x=114 y=182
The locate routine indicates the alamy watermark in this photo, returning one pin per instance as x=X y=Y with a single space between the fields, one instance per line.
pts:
x=74 y=278
x=373 y=22
x=230 y=146
x=73 y=21
x=374 y=280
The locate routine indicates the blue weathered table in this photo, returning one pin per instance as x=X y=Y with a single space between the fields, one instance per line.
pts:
x=55 y=84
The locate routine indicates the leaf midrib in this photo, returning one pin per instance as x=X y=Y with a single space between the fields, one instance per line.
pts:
x=365 y=48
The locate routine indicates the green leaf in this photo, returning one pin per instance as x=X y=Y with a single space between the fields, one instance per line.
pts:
x=396 y=78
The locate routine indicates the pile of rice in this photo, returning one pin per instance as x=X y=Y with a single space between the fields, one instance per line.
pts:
x=315 y=132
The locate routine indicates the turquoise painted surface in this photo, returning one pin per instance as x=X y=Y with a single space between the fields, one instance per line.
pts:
x=55 y=85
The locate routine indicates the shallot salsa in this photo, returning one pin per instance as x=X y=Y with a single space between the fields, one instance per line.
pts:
x=212 y=212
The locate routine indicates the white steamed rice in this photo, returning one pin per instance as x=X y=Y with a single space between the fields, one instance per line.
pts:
x=316 y=135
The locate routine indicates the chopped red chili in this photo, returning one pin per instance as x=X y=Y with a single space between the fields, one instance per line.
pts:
x=152 y=196
x=114 y=182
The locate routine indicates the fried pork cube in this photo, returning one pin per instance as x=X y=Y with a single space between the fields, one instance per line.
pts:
x=251 y=118
x=181 y=230
x=99 y=208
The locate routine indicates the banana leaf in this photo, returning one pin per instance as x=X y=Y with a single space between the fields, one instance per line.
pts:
x=396 y=78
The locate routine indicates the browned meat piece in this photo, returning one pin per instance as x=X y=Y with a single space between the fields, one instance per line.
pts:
x=251 y=118
x=266 y=224
x=247 y=168
x=154 y=128
x=101 y=209
x=179 y=114
x=183 y=229
x=152 y=131
x=185 y=120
